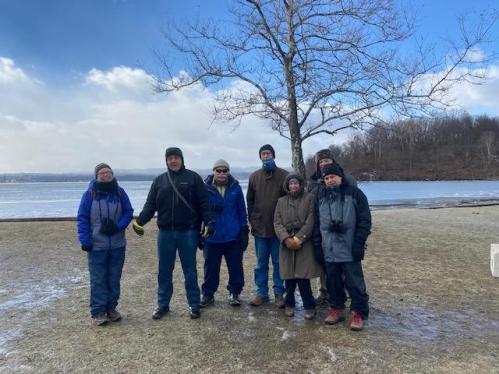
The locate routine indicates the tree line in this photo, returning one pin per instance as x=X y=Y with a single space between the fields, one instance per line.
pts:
x=447 y=148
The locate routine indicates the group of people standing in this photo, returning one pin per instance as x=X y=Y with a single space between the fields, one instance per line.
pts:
x=314 y=229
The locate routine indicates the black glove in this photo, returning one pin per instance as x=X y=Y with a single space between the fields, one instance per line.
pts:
x=108 y=227
x=358 y=251
x=319 y=255
x=201 y=242
x=208 y=229
x=86 y=247
x=243 y=238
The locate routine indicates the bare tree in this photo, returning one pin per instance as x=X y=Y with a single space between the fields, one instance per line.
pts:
x=312 y=67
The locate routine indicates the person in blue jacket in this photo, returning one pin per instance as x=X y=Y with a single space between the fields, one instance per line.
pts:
x=103 y=215
x=230 y=237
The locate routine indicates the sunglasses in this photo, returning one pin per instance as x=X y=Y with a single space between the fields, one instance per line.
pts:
x=222 y=171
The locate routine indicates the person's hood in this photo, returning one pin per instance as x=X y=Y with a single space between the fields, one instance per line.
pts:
x=297 y=176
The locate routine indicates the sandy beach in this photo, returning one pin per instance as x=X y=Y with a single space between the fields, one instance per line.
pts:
x=434 y=307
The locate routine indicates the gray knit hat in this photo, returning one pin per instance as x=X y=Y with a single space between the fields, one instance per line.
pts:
x=221 y=164
x=101 y=166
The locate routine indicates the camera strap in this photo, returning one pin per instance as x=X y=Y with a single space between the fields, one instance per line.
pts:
x=178 y=193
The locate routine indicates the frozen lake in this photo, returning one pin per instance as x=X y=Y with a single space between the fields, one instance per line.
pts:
x=61 y=199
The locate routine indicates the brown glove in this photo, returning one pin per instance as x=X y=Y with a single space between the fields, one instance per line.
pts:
x=292 y=244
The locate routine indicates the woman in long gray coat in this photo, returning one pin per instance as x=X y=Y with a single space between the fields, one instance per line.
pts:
x=293 y=224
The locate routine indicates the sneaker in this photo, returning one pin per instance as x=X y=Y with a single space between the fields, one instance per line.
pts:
x=279 y=301
x=114 y=315
x=160 y=312
x=234 y=300
x=259 y=300
x=334 y=315
x=195 y=313
x=356 y=323
x=207 y=301
x=309 y=314
x=321 y=298
x=100 y=319
x=289 y=311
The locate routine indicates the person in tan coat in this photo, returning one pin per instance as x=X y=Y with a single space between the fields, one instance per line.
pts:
x=293 y=224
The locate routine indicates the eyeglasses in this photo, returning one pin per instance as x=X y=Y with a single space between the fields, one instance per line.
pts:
x=222 y=171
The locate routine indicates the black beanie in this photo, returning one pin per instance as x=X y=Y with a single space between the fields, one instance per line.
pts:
x=332 y=169
x=174 y=151
x=266 y=147
x=101 y=166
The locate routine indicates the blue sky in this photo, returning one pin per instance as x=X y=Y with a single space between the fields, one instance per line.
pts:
x=78 y=71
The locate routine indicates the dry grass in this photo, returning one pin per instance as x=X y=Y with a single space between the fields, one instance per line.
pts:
x=434 y=308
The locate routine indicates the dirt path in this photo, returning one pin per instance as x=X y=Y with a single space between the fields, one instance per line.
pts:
x=434 y=308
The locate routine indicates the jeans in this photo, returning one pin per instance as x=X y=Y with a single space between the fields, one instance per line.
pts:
x=265 y=248
x=233 y=254
x=349 y=275
x=186 y=243
x=105 y=268
x=305 y=293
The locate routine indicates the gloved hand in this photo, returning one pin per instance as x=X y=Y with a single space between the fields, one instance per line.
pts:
x=138 y=228
x=201 y=242
x=86 y=247
x=108 y=227
x=292 y=244
x=243 y=238
x=358 y=251
x=319 y=255
x=208 y=229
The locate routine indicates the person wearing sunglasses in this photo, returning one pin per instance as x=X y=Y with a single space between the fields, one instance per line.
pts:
x=230 y=236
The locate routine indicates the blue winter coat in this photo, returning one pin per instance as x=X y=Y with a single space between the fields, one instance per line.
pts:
x=94 y=207
x=228 y=212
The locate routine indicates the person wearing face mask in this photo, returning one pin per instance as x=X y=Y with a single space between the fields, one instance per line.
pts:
x=265 y=186
x=230 y=237
x=103 y=215
x=343 y=223
x=293 y=224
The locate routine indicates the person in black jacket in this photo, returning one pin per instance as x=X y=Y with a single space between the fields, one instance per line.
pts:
x=180 y=198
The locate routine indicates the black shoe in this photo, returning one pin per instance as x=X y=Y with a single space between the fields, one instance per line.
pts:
x=234 y=300
x=160 y=312
x=195 y=313
x=207 y=301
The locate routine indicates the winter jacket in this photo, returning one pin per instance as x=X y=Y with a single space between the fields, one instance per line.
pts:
x=228 y=211
x=264 y=189
x=173 y=213
x=294 y=216
x=348 y=205
x=96 y=206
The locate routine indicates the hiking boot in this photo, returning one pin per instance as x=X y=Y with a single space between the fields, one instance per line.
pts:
x=309 y=314
x=334 y=315
x=194 y=312
x=100 y=319
x=321 y=298
x=289 y=311
x=259 y=300
x=114 y=315
x=234 y=300
x=207 y=301
x=160 y=312
x=279 y=301
x=356 y=323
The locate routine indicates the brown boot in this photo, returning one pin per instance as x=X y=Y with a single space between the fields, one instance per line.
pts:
x=334 y=315
x=259 y=300
x=356 y=323
x=279 y=301
x=309 y=314
x=289 y=311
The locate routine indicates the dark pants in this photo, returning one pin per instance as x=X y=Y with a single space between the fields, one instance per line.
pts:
x=305 y=292
x=213 y=253
x=186 y=243
x=354 y=283
x=105 y=268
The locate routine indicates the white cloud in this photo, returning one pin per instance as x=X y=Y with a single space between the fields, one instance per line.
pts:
x=114 y=116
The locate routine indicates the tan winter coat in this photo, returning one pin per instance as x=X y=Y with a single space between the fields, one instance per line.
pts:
x=294 y=216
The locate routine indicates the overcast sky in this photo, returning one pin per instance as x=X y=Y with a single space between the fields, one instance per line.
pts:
x=75 y=88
